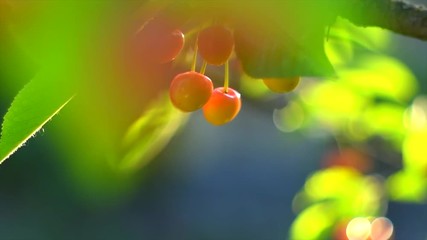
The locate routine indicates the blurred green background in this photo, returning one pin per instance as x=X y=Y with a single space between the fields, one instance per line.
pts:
x=119 y=162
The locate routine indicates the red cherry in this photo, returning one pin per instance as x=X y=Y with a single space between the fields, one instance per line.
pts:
x=159 y=42
x=339 y=231
x=281 y=85
x=350 y=158
x=215 y=44
x=189 y=91
x=222 y=107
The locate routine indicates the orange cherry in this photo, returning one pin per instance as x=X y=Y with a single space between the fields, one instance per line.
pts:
x=282 y=85
x=189 y=91
x=222 y=107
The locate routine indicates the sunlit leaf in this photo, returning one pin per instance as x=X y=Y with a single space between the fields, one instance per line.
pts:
x=313 y=222
x=408 y=186
x=381 y=76
x=385 y=120
x=321 y=100
x=416 y=114
x=414 y=151
x=332 y=183
x=339 y=51
x=351 y=192
x=49 y=37
x=371 y=38
x=33 y=107
x=149 y=134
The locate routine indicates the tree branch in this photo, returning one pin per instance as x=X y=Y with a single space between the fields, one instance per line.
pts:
x=395 y=15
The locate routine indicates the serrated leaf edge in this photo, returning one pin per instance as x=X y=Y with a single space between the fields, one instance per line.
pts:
x=12 y=151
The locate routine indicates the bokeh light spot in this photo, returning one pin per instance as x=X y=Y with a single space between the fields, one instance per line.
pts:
x=381 y=229
x=358 y=229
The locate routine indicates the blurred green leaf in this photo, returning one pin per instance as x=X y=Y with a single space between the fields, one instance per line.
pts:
x=368 y=38
x=321 y=101
x=332 y=195
x=413 y=150
x=385 y=119
x=313 y=222
x=49 y=34
x=332 y=183
x=149 y=134
x=253 y=87
x=16 y=68
x=339 y=51
x=382 y=76
x=407 y=186
x=354 y=193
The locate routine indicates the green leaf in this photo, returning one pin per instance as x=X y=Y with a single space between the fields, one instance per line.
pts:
x=272 y=39
x=341 y=185
x=335 y=194
x=313 y=222
x=149 y=134
x=280 y=43
x=381 y=76
x=407 y=186
x=274 y=53
x=31 y=109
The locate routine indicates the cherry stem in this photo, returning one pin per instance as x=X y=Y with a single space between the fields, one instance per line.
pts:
x=203 y=69
x=193 y=66
x=226 y=77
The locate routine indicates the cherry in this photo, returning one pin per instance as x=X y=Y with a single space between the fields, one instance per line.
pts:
x=281 y=85
x=159 y=42
x=350 y=158
x=339 y=231
x=189 y=91
x=223 y=106
x=215 y=44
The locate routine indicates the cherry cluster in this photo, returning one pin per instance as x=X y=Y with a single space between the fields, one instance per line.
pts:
x=192 y=90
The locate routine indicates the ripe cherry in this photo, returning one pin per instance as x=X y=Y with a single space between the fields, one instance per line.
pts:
x=281 y=85
x=215 y=44
x=189 y=91
x=222 y=107
x=159 y=42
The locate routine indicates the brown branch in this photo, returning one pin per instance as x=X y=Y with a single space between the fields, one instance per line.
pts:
x=395 y=15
